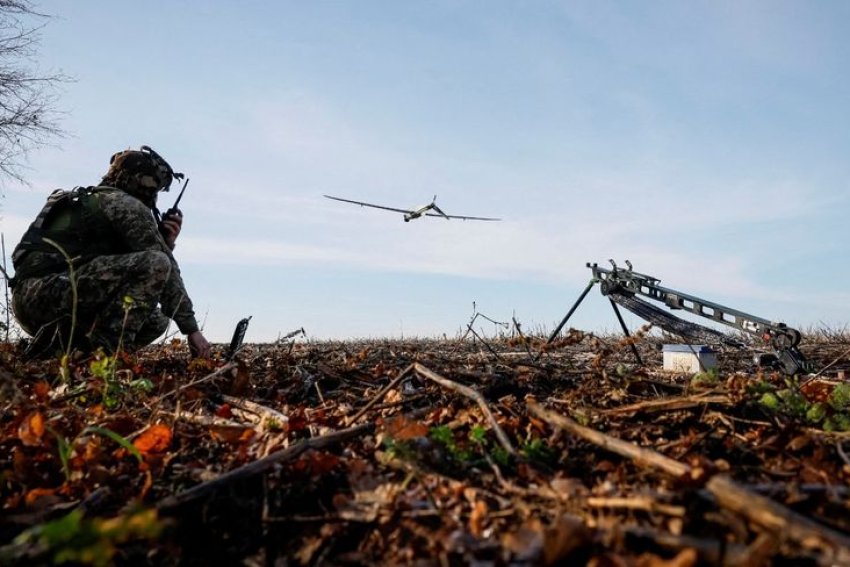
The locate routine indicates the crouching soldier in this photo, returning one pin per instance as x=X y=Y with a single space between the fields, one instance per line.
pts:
x=111 y=241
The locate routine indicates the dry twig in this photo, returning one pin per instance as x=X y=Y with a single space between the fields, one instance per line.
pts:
x=727 y=493
x=470 y=393
x=380 y=395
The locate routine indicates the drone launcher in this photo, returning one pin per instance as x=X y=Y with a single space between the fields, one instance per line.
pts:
x=632 y=290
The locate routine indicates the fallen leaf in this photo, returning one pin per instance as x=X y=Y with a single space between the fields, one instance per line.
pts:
x=798 y=442
x=41 y=497
x=31 y=430
x=401 y=428
x=316 y=463
x=537 y=424
x=41 y=390
x=224 y=411
x=231 y=433
x=155 y=439
x=297 y=422
x=478 y=517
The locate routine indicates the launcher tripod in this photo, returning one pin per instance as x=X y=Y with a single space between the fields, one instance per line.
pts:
x=624 y=286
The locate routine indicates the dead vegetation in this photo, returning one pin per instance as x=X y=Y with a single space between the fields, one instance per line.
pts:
x=488 y=451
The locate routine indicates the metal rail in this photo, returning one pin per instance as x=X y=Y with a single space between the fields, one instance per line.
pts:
x=622 y=285
x=629 y=282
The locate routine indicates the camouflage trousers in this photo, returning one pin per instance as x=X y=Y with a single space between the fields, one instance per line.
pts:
x=117 y=299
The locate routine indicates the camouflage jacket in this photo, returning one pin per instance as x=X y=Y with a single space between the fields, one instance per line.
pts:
x=101 y=221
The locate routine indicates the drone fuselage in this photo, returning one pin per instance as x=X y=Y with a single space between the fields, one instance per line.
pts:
x=418 y=212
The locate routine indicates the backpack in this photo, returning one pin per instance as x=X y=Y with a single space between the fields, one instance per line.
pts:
x=70 y=220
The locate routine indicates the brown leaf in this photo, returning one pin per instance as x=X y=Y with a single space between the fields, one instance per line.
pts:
x=41 y=390
x=96 y=411
x=817 y=391
x=316 y=463
x=538 y=424
x=798 y=442
x=231 y=433
x=224 y=411
x=155 y=439
x=401 y=428
x=31 y=430
x=297 y=421
x=41 y=497
x=478 y=517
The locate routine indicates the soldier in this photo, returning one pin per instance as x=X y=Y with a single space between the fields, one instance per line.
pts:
x=109 y=241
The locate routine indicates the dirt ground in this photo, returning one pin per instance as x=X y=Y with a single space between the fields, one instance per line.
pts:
x=502 y=451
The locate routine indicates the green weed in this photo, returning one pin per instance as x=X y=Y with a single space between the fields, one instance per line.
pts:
x=537 y=449
x=444 y=435
x=839 y=399
x=791 y=403
x=78 y=540
x=707 y=379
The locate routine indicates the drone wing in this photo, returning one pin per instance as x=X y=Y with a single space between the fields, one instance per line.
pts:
x=461 y=217
x=362 y=204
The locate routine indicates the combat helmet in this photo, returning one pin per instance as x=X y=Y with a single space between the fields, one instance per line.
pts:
x=143 y=173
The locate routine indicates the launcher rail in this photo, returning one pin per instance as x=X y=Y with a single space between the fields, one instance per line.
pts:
x=626 y=287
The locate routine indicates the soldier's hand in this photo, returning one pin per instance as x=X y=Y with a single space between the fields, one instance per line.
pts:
x=198 y=345
x=171 y=226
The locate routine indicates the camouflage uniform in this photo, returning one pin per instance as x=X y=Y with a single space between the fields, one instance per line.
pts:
x=118 y=252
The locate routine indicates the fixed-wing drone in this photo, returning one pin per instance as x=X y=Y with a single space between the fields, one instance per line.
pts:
x=410 y=214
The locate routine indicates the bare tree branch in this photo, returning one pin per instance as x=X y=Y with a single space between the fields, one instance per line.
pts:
x=28 y=116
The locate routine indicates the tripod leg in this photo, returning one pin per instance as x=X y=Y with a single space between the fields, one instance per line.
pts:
x=570 y=312
x=625 y=330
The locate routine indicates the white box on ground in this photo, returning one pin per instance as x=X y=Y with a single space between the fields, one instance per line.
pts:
x=689 y=358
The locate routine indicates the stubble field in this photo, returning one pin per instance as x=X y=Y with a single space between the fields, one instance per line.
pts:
x=488 y=451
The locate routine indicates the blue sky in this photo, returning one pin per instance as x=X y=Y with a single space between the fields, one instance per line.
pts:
x=707 y=142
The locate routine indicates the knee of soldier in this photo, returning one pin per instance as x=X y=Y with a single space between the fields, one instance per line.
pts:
x=155 y=265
